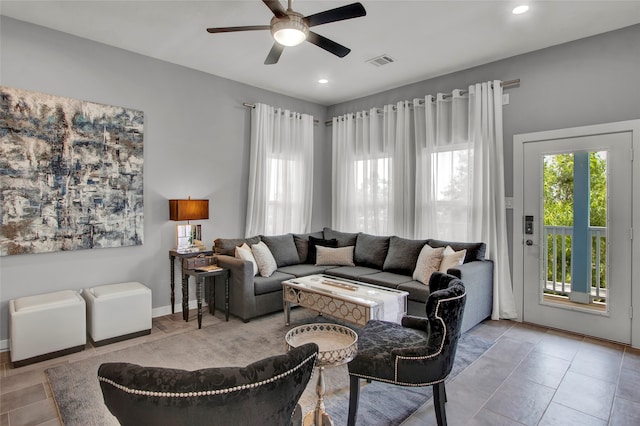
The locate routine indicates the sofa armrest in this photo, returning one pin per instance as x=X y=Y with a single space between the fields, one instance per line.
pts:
x=241 y=285
x=477 y=277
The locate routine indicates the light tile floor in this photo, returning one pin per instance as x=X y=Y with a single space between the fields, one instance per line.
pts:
x=531 y=376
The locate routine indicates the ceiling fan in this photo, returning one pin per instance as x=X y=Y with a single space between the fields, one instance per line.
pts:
x=290 y=28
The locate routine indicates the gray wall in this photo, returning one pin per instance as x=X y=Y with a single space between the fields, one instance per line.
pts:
x=196 y=142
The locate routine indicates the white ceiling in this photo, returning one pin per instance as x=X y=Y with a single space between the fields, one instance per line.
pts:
x=425 y=38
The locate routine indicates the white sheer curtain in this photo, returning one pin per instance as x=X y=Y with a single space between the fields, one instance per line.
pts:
x=460 y=177
x=371 y=181
x=280 y=172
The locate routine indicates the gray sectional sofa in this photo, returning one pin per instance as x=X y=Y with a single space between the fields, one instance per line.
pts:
x=384 y=261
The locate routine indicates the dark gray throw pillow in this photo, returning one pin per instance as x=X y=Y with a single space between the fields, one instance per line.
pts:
x=371 y=250
x=475 y=251
x=302 y=244
x=313 y=242
x=345 y=239
x=282 y=248
x=403 y=255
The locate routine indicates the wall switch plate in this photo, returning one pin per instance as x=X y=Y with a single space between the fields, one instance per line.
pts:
x=505 y=99
x=508 y=202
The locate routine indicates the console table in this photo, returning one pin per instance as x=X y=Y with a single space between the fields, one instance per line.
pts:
x=210 y=291
x=172 y=257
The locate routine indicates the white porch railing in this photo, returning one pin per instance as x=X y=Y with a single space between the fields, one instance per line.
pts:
x=557 y=260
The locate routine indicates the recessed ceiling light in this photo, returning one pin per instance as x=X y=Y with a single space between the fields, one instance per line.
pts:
x=520 y=9
x=323 y=81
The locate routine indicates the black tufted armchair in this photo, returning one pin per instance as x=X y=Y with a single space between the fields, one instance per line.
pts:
x=418 y=352
x=265 y=392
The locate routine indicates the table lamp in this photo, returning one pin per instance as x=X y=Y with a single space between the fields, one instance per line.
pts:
x=188 y=237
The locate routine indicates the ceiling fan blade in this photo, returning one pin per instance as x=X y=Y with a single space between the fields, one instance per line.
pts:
x=354 y=10
x=276 y=8
x=328 y=45
x=232 y=29
x=274 y=54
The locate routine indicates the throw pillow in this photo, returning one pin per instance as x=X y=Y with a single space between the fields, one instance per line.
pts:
x=345 y=239
x=340 y=256
x=266 y=263
x=451 y=259
x=371 y=250
x=428 y=262
x=403 y=255
x=302 y=244
x=244 y=252
x=282 y=248
x=315 y=242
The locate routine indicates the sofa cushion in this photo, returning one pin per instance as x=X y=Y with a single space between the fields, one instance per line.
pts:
x=314 y=243
x=228 y=245
x=266 y=263
x=351 y=272
x=385 y=279
x=264 y=285
x=302 y=244
x=371 y=250
x=418 y=292
x=282 y=248
x=403 y=255
x=304 y=269
x=344 y=239
x=475 y=251
x=341 y=256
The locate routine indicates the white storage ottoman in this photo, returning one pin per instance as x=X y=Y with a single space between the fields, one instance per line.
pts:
x=117 y=312
x=45 y=326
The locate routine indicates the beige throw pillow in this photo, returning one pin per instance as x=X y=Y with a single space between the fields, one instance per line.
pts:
x=265 y=260
x=428 y=262
x=341 y=256
x=451 y=258
x=244 y=252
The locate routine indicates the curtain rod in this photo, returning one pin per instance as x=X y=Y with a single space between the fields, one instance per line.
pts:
x=248 y=105
x=504 y=84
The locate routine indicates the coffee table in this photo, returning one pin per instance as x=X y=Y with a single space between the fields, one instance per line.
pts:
x=337 y=345
x=347 y=300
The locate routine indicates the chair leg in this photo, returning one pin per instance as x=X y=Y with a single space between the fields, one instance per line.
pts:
x=439 y=398
x=354 y=397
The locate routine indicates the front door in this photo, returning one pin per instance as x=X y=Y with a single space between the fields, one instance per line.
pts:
x=577 y=220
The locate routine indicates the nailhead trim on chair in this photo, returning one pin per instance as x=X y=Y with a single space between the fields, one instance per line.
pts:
x=444 y=336
x=208 y=392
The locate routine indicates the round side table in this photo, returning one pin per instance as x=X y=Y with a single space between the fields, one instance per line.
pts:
x=337 y=345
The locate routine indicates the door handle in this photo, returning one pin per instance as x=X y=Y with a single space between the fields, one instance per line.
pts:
x=530 y=243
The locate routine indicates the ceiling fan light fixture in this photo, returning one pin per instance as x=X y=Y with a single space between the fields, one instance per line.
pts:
x=290 y=31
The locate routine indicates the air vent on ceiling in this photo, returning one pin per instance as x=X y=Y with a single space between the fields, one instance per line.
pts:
x=381 y=60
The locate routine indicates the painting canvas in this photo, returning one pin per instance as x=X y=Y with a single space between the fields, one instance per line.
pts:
x=71 y=174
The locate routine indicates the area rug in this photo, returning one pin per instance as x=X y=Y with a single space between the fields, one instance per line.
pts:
x=79 y=399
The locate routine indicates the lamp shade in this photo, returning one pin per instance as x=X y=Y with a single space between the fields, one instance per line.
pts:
x=188 y=209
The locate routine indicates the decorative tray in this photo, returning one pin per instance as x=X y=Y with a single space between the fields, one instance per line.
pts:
x=337 y=344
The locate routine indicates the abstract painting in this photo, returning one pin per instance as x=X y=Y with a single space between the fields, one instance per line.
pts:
x=71 y=174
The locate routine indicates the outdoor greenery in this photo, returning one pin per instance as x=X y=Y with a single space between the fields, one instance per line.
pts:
x=558 y=208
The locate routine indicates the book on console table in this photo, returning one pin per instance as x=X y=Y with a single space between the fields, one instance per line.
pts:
x=208 y=268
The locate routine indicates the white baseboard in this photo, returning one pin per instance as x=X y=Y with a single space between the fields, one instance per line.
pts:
x=156 y=312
